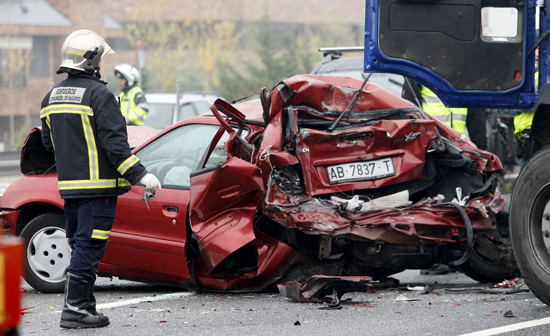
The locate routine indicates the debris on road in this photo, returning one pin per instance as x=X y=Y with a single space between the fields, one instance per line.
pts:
x=509 y=314
x=506 y=287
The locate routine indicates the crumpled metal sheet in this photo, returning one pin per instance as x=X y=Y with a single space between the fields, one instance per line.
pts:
x=319 y=286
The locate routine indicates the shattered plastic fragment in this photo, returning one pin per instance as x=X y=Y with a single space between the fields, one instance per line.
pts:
x=506 y=284
x=416 y=288
x=357 y=205
x=509 y=314
x=430 y=200
x=459 y=199
x=404 y=298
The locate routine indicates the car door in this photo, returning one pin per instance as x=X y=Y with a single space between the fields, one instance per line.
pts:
x=469 y=52
x=152 y=236
x=225 y=196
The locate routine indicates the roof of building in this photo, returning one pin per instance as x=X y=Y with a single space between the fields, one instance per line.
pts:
x=31 y=13
x=287 y=11
x=110 y=23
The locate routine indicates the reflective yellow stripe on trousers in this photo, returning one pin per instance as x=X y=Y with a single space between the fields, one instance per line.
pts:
x=101 y=234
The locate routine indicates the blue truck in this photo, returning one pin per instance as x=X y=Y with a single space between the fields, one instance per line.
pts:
x=481 y=53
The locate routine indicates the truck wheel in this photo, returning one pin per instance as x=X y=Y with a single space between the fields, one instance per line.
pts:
x=530 y=224
x=47 y=253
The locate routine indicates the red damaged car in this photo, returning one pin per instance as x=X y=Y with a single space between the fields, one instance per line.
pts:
x=325 y=179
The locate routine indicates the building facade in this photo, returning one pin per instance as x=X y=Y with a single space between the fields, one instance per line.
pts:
x=32 y=33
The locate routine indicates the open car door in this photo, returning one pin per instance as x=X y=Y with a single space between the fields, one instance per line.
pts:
x=469 y=52
x=225 y=196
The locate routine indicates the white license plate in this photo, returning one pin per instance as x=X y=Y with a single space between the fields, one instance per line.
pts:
x=357 y=171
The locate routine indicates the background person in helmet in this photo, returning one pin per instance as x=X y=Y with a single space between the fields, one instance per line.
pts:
x=133 y=104
x=82 y=125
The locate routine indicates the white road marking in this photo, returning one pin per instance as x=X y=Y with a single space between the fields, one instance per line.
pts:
x=143 y=299
x=508 y=328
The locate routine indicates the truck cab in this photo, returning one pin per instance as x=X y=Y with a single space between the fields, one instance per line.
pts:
x=480 y=53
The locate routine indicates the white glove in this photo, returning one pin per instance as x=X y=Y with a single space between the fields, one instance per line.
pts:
x=150 y=182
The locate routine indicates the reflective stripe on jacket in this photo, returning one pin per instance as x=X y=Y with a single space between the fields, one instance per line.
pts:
x=82 y=124
x=435 y=107
x=133 y=106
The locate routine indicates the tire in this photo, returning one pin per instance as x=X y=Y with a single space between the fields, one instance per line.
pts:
x=494 y=261
x=47 y=253
x=486 y=271
x=530 y=227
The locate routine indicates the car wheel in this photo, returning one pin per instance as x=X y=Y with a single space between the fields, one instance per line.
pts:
x=47 y=253
x=494 y=260
x=530 y=224
x=486 y=271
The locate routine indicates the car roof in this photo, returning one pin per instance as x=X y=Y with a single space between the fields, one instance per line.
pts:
x=329 y=64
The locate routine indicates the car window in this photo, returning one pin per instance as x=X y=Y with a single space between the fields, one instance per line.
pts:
x=351 y=74
x=391 y=82
x=159 y=116
x=219 y=154
x=173 y=156
x=202 y=106
x=186 y=111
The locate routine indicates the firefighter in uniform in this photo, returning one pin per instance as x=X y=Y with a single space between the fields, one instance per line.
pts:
x=82 y=125
x=133 y=104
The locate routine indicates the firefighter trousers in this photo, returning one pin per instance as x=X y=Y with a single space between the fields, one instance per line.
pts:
x=89 y=224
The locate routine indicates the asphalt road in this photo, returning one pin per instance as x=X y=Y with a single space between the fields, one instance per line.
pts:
x=141 y=309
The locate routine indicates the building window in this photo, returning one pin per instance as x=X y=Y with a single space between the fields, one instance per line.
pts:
x=40 y=60
x=14 y=59
x=12 y=67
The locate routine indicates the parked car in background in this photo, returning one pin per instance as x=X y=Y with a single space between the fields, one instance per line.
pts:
x=319 y=180
x=163 y=111
x=333 y=64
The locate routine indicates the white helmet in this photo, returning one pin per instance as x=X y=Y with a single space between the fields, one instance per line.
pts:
x=83 y=50
x=128 y=72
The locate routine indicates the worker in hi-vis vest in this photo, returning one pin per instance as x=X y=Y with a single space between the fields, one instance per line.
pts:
x=454 y=117
x=133 y=104
x=522 y=130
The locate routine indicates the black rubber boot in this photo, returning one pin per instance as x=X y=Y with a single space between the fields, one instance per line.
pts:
x=76 y=310
x=91 y=305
